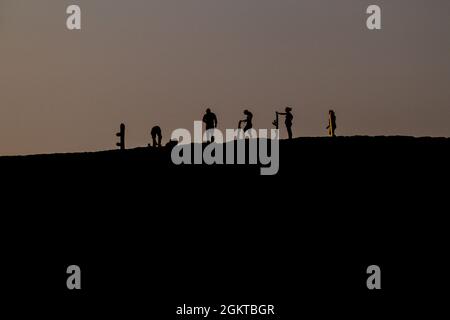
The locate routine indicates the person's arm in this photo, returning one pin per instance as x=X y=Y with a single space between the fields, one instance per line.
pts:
x=215 y=122
x=282 y=113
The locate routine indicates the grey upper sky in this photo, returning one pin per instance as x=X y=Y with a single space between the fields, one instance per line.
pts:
x=147 y=62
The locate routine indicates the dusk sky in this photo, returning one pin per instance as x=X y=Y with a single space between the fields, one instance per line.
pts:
x=148 y=62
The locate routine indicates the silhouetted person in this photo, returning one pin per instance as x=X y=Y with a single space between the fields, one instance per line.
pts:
x=331 y=123
x=248 y=120
x=121 y=135
x=275 y=122
x=156 y=136
x=210 y=121
x=288 y=120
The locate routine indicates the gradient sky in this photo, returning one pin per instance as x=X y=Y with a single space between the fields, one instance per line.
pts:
x=147 y=62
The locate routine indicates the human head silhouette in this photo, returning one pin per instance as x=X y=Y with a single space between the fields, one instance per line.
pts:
x=208 y=110
x=246 y=112
x=288 y=109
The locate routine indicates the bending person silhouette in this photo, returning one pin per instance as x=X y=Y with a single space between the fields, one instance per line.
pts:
x=156 y=136
x=331 y=123
x=248 y=121
x=210 y=121
x=288 y=120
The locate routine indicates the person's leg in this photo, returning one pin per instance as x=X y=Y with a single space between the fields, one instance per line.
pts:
x=289 y=130
x=208 y=135
x=247 y=128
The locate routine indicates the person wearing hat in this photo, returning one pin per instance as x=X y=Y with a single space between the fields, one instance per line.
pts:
x=288 y=120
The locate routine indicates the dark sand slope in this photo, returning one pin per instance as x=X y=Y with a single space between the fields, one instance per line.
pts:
x=149 y=233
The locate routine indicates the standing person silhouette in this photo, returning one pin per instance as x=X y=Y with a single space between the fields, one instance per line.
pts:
x=331 y=123
x=248 y=120
x=210 y=121
x=288 y=120
x=156 y=136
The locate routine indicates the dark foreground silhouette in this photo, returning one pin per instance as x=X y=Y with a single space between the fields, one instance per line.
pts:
x=149 y=235
x=330 y=157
